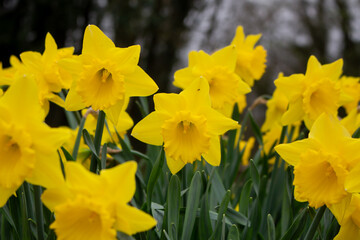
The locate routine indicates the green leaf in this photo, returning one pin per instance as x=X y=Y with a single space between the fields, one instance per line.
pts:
x=311 y=232
x=78 y=139
x=297 y=226
x=256 y=129
x=103 y=157
x=271 y=228
x=173 y=203
x=155 y=172
x=192 y=206
x=222 y=210
x=67 y=154
x=356 y=134
x=254 y=173
x=244 y=197
x=233 y=233
x=205 y=228
x=9 y=219
x=90 y=143
x=237 y=217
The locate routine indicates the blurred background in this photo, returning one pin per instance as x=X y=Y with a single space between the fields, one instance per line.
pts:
x=168 y=29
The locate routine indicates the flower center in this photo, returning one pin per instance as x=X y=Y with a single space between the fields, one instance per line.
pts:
x=83 y=218
x=100 y=85
x=321 y=96
x=16 y=156
x=319 y=178
x=185 y=137
x=224 y=86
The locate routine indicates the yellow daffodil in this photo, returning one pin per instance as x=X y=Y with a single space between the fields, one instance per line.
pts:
x=351 y=87
x=187 y=126
x=322 y=162
x=312 y=94
x=90 y=206
x=105 y=75
x=49 y=75
x=250 y=64
x=28 y=145
x=347 y=213
x=226 y=87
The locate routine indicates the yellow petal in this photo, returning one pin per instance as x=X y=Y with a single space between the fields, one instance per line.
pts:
x=126 y=58
x=57 y=100
x=77 y=175
x=313 y=66
x=73 y=101
x=139 y=83
x=53 y=197
x=197 y=92
x=174 y=165
x=217 y=123
x=28 y=104
x=352 y=182
x=131 y=220
x=5 y=194
x=293 y=114
x=333 y=70
x=168 y=104
x=113 y=112
x=95 y=41
x=348 y=231
x=122 y=175
x=291 y=152
x=184 y=77
x=226 y=57
x=331 y=140
x=50 y=48
x=291 y=86
x=32 y=59
x=148 y=130
x=213 y=157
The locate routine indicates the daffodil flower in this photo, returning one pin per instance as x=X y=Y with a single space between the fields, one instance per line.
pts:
x=226 y=87
x=322 y=162
x=28 y=145
x=250 y=63
x=105 y=75
x=90 y=206
x=187 y=126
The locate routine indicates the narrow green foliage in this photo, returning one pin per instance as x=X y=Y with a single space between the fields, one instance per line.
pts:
x=221 y=214
x=233 y=233
x=237 y=217
x=297 y=226
x=97 y=141
x=155 y=172
x=255 y=176
x=103 y=157
x=256 y=129
x=67 y=155
x=192 y=206
x=78 y=138
x=173 y=204
x=244 y=197
x=271 y=228
x=39 y=213
x=311 y=232
x=90 y=143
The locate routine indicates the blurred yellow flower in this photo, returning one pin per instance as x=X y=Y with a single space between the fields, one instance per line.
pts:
x=106 y=75
x=90 y=206
x=322 y=162
x=28 y=145
x=312 y=94
x=226 y=87
x=250 y=64
x=247 y=146
x=352 y=121
x=187 y=125
x=351 y=87
x=347 y=213
x=46 y=70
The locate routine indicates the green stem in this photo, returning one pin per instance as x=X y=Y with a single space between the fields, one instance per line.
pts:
x=97 y=140
x=315 y=223
x=39 y=213
x=78 y=139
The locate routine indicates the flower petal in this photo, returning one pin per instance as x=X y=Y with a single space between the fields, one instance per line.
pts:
x=5 y=194
x=291 y=152
x=148 y=130
x=95 y=41
x=139 y=83
x=121 y=181
x=174 y=165
x=213 y=157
